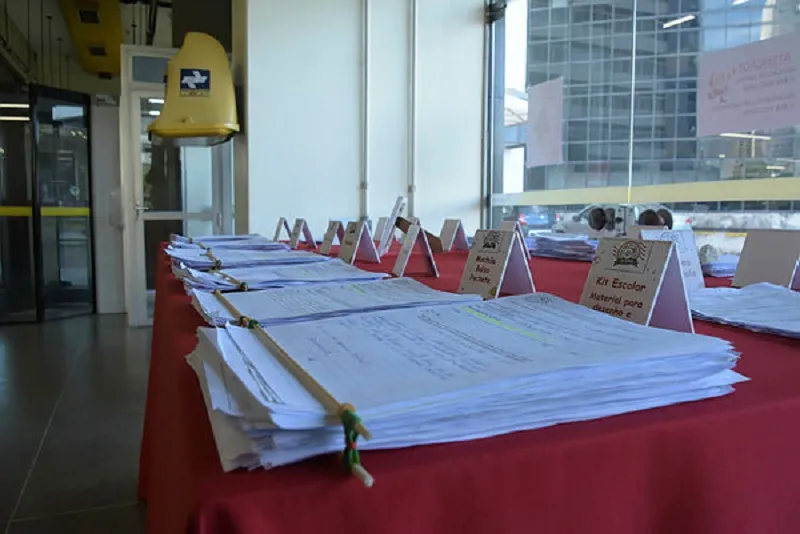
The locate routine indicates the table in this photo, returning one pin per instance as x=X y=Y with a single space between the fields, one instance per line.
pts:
x=727 y=465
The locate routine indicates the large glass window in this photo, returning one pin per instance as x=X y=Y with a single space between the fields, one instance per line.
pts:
x=630 y=72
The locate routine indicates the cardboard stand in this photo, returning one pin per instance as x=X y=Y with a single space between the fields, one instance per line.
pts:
x=514 y=226
x=301 y=227
x=335 y=231
x=453 y=236
x=415 y=238
x=282 y=225
x=357 y=244
x=496 y=265
x=639 y=281
x=770 y=256
x=380 y=226
x=403 y=225
x=387 y=234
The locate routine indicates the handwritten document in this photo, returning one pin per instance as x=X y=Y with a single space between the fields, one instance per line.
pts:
x=305 y=303
x=392 y=359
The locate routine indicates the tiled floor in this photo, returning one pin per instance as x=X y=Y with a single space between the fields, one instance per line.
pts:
x=71 y=406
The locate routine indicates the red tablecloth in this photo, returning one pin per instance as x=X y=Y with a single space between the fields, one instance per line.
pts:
x=722 y=466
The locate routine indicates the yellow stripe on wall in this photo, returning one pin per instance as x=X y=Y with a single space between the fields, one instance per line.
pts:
x=53 y=211
x=16 y=211
x=719 y=190
x=47 y=211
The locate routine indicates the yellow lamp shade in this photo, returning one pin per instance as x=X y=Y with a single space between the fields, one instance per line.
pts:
x=200 y=101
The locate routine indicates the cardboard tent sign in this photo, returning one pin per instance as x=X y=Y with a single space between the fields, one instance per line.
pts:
x=496 y=265
x=335 y=231
x=639 y=281
x=415 y=238
x=282 y=226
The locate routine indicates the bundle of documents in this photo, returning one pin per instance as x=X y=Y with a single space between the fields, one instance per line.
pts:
x=226 y=258
x=177 y=238
x=758 y=307
x=443 y=374
x=563 y=246
x=307 y=303
x=270 y=276
x=722 y=267
x=248 y=242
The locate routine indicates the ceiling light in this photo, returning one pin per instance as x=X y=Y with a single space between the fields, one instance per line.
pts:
x=775 y=167
x=722 y=155
x=13 y=105
x=739 y=2
x=154 y=112
x=746 y=136
x=156 y=100
x=12 y=119
x=679 y=20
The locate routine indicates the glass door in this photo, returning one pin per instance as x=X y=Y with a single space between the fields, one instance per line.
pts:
x=63 y=224
x=183 y=190
x=17 y=267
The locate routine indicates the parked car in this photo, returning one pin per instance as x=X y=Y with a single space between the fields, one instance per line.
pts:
x=626 y=214
x=535 y=218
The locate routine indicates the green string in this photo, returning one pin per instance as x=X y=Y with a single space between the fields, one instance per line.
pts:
x=350 y=456
x=247 y=322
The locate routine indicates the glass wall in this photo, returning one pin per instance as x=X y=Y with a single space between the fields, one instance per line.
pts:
x=17 y=280
x=46 y=254
x=630 y=71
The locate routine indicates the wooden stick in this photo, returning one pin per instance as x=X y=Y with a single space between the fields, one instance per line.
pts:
x=309 y=382
x=233 y=280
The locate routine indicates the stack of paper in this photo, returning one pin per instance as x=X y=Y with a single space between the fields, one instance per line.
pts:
x=271 y=276
x=445 y=373
x=210 y=239
x=247 y=243
x=226 y=258
x=758 y=307
x=306 y=303
x=722 y=267
x=563 y=246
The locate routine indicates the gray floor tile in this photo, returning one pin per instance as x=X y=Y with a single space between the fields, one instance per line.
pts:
x=118 y=520
x=90 y=455
x=34 y=362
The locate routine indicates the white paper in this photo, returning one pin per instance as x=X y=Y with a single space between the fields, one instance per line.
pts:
x=451 y=373
x=229 y=258
x=749 y=87
x=425 y=354
x=759 y=307
x=270 y=276
x=305 y=303
x=545 y=130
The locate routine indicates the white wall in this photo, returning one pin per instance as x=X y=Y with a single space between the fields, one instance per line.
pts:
x=107 y=208
x=307 y=146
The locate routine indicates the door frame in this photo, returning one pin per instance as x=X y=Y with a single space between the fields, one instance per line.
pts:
x=221 y=217
x=136 y=216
